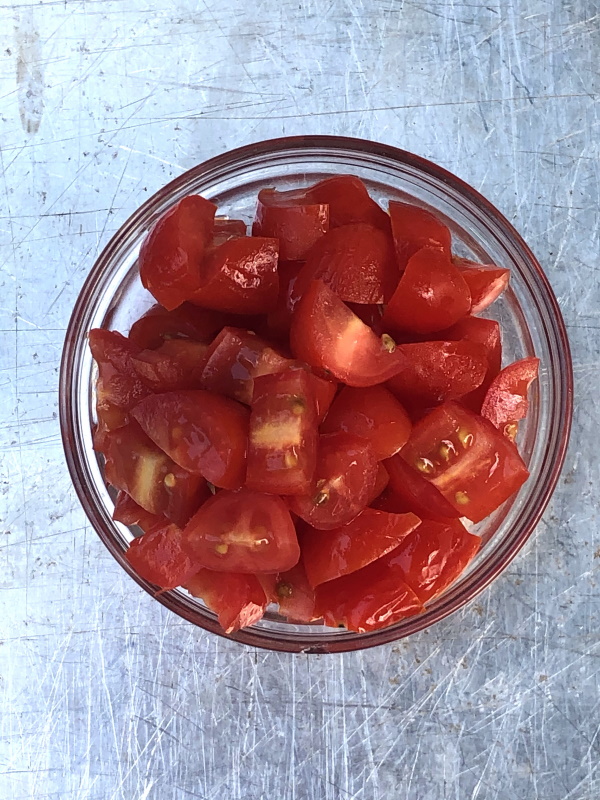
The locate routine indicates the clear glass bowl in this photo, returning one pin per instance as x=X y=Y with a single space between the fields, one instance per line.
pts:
x=113 y=297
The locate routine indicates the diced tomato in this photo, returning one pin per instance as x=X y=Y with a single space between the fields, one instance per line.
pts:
x=373 y=413
x=438 y=371
x=134 y=464
x=294 y=595
x=485 y=332
x=202 y=432
x=433 y=556
x=158 y=557
x=432 y=294
x=357 y=263
x=409 y=491
x=283 y=437
x=348 y=201
x=381 y=482
x=287 y=216
x=243 y=531
x=177 y=364
x=129 y=512
x=226 y=229
x=485 y=281
x=367 y=537
x=472 y=464
x=240 y=277
x=373 y=597
x=172 y=253
x=279 y=320
x=324 y=391
x=506 y=401
x=187 y=321
x=345 y=478
x=414 y=228
x=235 y=358
x=237 y=600
x=327 y=335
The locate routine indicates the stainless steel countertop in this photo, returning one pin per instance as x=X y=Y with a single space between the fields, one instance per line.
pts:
x=105 y=695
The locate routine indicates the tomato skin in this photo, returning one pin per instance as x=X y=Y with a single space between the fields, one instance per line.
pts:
x=176 y=364
x=202 y=432
x=484 y=332
x=348 y=201
x=414 y=228
x=486 y=282
x=474 y=467
x=134 y=464
x=373 y=597
x=506 y=401
x=287 y=216
x=431 y=295
x=433 y=556
x=129 y=512
x=187 y=321
x=409 y=491
x=438 y=371
x=171 y=254
x=356 y=262
x=366 y=538
x=238 y=600
x=344 y=481
x=158 y=557
x=283 y=436
x=235 y=358
x=372 y=413
x=240 y=277
x=327 y=335
x=243 y=531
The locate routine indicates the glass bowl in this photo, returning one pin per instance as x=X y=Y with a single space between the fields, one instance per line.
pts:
x=531 y=322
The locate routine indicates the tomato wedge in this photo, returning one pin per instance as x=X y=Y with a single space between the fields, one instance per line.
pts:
x=432 y=294
x=486 y=282
x=238 y=600
x=471 y=463
x=438 y=371
x=433 y=556
x=159 y=557
x=279 y=320
x=287 y=216
x=414 y=228
x=327 y=335
x=506 y=401
x=171 y=255
x=357 y=263
x=344 y=481
x=176 y=364
x=409 y=491
x=129 y=512
x=283 y=437
x=239 y=276
x=484 y=332
x=200 y=431
x=134 y=464
x=372 y=413
x=118 y=385
x=243 y=531
x=367 y=537
x=292 y=592
x=348 y=201
x=187 y=321
x=373 y=597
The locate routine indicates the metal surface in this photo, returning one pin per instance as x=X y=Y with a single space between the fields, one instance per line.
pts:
x=103 y=694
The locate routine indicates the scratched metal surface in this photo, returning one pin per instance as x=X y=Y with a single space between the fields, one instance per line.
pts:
x=103 y=694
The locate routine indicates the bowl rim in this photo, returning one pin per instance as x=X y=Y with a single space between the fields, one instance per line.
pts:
x=174 y=600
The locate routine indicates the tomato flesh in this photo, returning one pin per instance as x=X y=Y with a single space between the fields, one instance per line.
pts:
x=474 y=467
x=159 y=557
x=327 y=335
x=414 y=228
x=356 y=262
x=171 y=255
x=372 y=413
x=238 y=600
x=484 y=332
x=129 y=512
x=433 y=556
x=486 y=282
x=202 y=432
x=176 y=364
x=187 y=321
x=240 y=277
x=367 y=537
x=293 y=593
x=243 y=531
x=287 y=216
x=432 y=294
x=506 y=401
x=409 y=491
x=343 y=484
